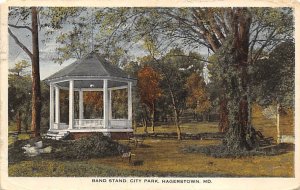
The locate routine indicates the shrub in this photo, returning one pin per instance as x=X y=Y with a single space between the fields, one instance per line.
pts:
x=94 y=146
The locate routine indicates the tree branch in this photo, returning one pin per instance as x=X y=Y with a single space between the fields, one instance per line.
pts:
x=263 y=46
x=208 y=35
x=24 y=27
x=20 y=44
x=190 y=56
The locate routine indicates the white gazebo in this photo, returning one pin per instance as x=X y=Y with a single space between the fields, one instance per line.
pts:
x=91 y=73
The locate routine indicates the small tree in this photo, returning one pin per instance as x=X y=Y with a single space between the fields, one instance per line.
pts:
x=197 y=97
x=149 y=90
x=20 y=68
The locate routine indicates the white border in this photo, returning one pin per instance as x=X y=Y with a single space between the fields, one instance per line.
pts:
x=84 y=182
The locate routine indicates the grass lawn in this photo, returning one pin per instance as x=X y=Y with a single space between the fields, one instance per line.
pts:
x=268 y=126
x=162 y=158
x=166 y=158
x=20 y=137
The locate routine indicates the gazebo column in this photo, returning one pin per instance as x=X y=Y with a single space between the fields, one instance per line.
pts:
x=80 y=107
x=57 y=107
x=51 y=122
x=105 y=104
x=71 y=104
x=129 y=88
x=110 y=107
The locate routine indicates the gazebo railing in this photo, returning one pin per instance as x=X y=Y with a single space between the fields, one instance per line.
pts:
x=95 y=123
x=86 y=123
x=60 y=126
x=120 y=123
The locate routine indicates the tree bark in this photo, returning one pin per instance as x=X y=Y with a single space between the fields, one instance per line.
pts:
x=239 y=128
x=177 y=123
x=278 y=123
x=223 y=123
x=176 y=114
x=145 y=125
x=36 y=91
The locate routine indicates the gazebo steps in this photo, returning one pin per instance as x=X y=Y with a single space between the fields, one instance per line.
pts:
x=56 y=135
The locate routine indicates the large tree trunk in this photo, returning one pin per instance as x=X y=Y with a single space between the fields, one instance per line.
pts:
x=237 y=79
x=36 y=91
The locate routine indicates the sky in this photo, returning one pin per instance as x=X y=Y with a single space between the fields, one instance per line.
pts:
x=47 y=51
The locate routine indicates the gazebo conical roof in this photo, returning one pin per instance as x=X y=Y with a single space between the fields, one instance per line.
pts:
x=89 y=70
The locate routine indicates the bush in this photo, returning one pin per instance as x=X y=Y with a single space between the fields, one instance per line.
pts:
x=94 y=146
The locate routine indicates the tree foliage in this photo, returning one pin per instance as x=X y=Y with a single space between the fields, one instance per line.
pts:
x=19 y=93
x=175 y=67
x=198 y=98
x=274 y=76
x=149 y=89
x=20 y=97
x=20 y=68
x=120 y=103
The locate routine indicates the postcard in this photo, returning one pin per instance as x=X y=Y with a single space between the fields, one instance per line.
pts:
x=150 y=94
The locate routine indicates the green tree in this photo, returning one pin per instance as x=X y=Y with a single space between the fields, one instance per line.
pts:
x=175 y=67
x=274 y=76
x=19 y=95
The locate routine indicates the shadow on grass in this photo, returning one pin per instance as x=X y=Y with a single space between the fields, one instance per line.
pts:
x=137 y=163
x=144 y=146
x=220 y=151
